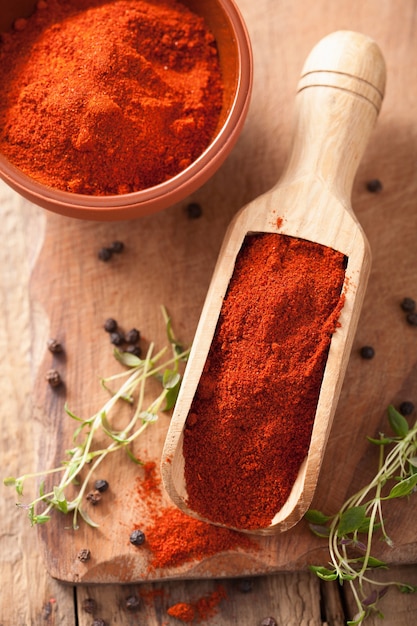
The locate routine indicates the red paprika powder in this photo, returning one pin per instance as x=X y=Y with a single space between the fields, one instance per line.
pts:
x=108 y=96
x=250 y=423
x=182 y=611
x=175 y=538
x=199 y=611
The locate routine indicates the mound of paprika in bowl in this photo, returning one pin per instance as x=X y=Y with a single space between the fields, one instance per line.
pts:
x=113 y=109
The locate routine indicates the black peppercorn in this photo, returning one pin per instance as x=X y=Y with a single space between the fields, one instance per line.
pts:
x=89 y=605
x=101 y=485
x=245 y=585
x=374 y=185
x=105 y=254
x=117 y=338
x=132 y=336
x=94 y=497
x=412 y=319
x=194 y=210
x=408 y=305
x=117 y=247
x=132 y=603
x=53 y=377
x=47 y=610
x=268 y=621
x=137 y=538
x=367 y=352
x=406 y=408
x=110 y=325
x=136 y=350
x=54 y=345
x=84 y=555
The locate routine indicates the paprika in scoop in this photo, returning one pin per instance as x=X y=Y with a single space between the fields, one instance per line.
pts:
x=250 y=422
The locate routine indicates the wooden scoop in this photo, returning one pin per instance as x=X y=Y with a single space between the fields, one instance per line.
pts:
x=338 y=100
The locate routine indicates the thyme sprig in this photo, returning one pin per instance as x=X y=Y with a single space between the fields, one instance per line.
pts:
x=351 y=531
x=83 y=459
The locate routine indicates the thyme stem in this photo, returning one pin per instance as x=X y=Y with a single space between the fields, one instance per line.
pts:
x=362 y=514
x=138 y=372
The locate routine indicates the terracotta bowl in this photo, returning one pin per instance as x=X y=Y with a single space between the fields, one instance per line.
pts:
x=226 y=23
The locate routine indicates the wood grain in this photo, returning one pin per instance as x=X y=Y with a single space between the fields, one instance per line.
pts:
x=282 y=34
x=21 y=602
x=169 y=260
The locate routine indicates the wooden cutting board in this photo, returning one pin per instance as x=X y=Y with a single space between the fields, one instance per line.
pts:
x=168 y=259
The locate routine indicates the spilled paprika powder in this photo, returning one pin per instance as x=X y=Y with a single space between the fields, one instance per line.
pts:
x=108 y=96
x=250 y=423
x=174 y=538
x=183 y=611
x=199 y=611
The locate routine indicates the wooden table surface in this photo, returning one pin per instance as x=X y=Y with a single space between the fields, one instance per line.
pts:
x=282 y=33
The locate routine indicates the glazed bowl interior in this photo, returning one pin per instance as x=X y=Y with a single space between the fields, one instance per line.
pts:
x=226 y=24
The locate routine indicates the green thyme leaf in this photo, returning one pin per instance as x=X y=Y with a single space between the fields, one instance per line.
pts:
x=371 y=562
x=170 y=379
x=405 y=588
x=382 y=441
x=60 y=500
x=374 y=562
x=316 y=517
x=364 y=527
x=42 y=489
x=171 y=398
x=403 y=488
x=357 y=620
x=41 y=519
x=397 y=422
x=31 y=512
x=9 y=481
x=319 y=530
x=323 y=572
x=127 y=358
x=351 y=520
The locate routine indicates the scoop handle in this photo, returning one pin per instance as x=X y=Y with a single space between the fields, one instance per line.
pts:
x=339 y=96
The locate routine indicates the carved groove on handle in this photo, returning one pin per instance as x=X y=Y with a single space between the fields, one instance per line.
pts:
x=346 y=82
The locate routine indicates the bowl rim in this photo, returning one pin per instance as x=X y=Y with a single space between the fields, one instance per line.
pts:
x=169 y=191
